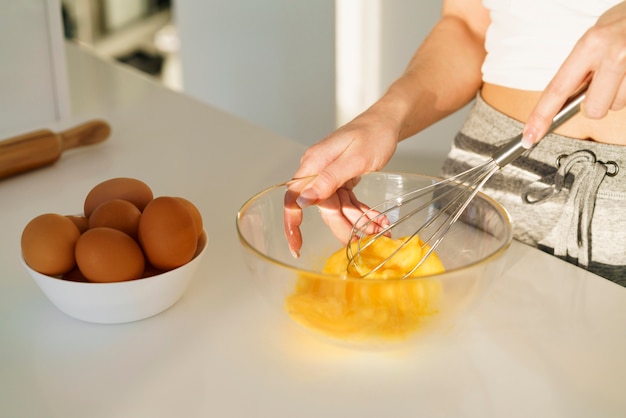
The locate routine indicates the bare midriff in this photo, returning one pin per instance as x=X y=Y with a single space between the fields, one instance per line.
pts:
x=519 y=103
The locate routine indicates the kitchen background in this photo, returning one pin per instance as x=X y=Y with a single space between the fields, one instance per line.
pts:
x=300 y=68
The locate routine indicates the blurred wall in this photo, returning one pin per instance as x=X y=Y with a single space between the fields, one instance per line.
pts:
x=273 y=62
x=33 y=77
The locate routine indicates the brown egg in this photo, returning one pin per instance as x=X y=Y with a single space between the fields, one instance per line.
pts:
x=133 y=190
x=117 y=214
x=48 y=243
x=109 y=255
x=195 y=214
x=167 y=233
x=81 y=222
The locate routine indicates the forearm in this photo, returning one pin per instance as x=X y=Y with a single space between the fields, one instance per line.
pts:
x=443 y=76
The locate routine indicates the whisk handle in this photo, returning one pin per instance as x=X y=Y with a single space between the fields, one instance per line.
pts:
x=509 y=151
x=513 y=149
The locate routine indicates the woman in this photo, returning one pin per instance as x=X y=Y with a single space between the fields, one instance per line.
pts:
x=520 y=60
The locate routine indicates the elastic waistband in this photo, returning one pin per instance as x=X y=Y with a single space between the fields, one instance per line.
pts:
x=487 y=128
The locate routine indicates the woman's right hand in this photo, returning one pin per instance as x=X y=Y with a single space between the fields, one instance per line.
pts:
x=443 y=76
x=333 y=167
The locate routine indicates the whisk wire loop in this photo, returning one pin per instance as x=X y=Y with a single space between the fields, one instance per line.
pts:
x=453 y=205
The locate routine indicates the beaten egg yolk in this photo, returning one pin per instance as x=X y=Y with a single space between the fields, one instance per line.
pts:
x=371 y=306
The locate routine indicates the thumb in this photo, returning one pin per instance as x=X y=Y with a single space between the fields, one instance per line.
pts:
x=322 y=187
x=319 y=189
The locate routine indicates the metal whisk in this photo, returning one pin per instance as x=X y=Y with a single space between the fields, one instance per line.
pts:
x=451 y=196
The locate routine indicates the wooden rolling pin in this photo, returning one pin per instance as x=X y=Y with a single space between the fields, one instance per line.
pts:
x=44 y=147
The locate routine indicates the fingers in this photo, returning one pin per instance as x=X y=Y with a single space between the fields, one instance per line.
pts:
x=360 y=215
x=603 y=92
x=321 y=160
x=620 y=100
x=341 y=159
x=599 y=58
x=570 y=77
x=319 y=189
x=366 y=144
x=292 y=215
x=340 y=212
x=327 y=182
x=292 y=220
x=331 y=213
x=343 y=211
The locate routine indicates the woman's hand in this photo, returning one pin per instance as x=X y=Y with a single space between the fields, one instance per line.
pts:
x=600 y=55
x=443 y=76
x=340 y=212
x=331 y=168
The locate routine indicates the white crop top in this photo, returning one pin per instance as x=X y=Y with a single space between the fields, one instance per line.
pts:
x=528 y=40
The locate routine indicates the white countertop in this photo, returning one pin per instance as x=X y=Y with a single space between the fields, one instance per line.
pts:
x=548 y=341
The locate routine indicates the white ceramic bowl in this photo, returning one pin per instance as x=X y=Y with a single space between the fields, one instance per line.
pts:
x=119 y=302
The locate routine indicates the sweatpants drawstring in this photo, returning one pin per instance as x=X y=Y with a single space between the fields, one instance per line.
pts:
x=573 y=231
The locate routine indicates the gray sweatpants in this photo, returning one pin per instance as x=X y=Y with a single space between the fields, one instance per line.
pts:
x=565 y=196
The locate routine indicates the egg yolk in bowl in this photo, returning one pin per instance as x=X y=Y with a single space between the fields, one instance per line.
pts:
x=377 y=305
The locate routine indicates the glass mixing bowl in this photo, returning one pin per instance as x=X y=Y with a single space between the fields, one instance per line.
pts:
x=364 y=312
